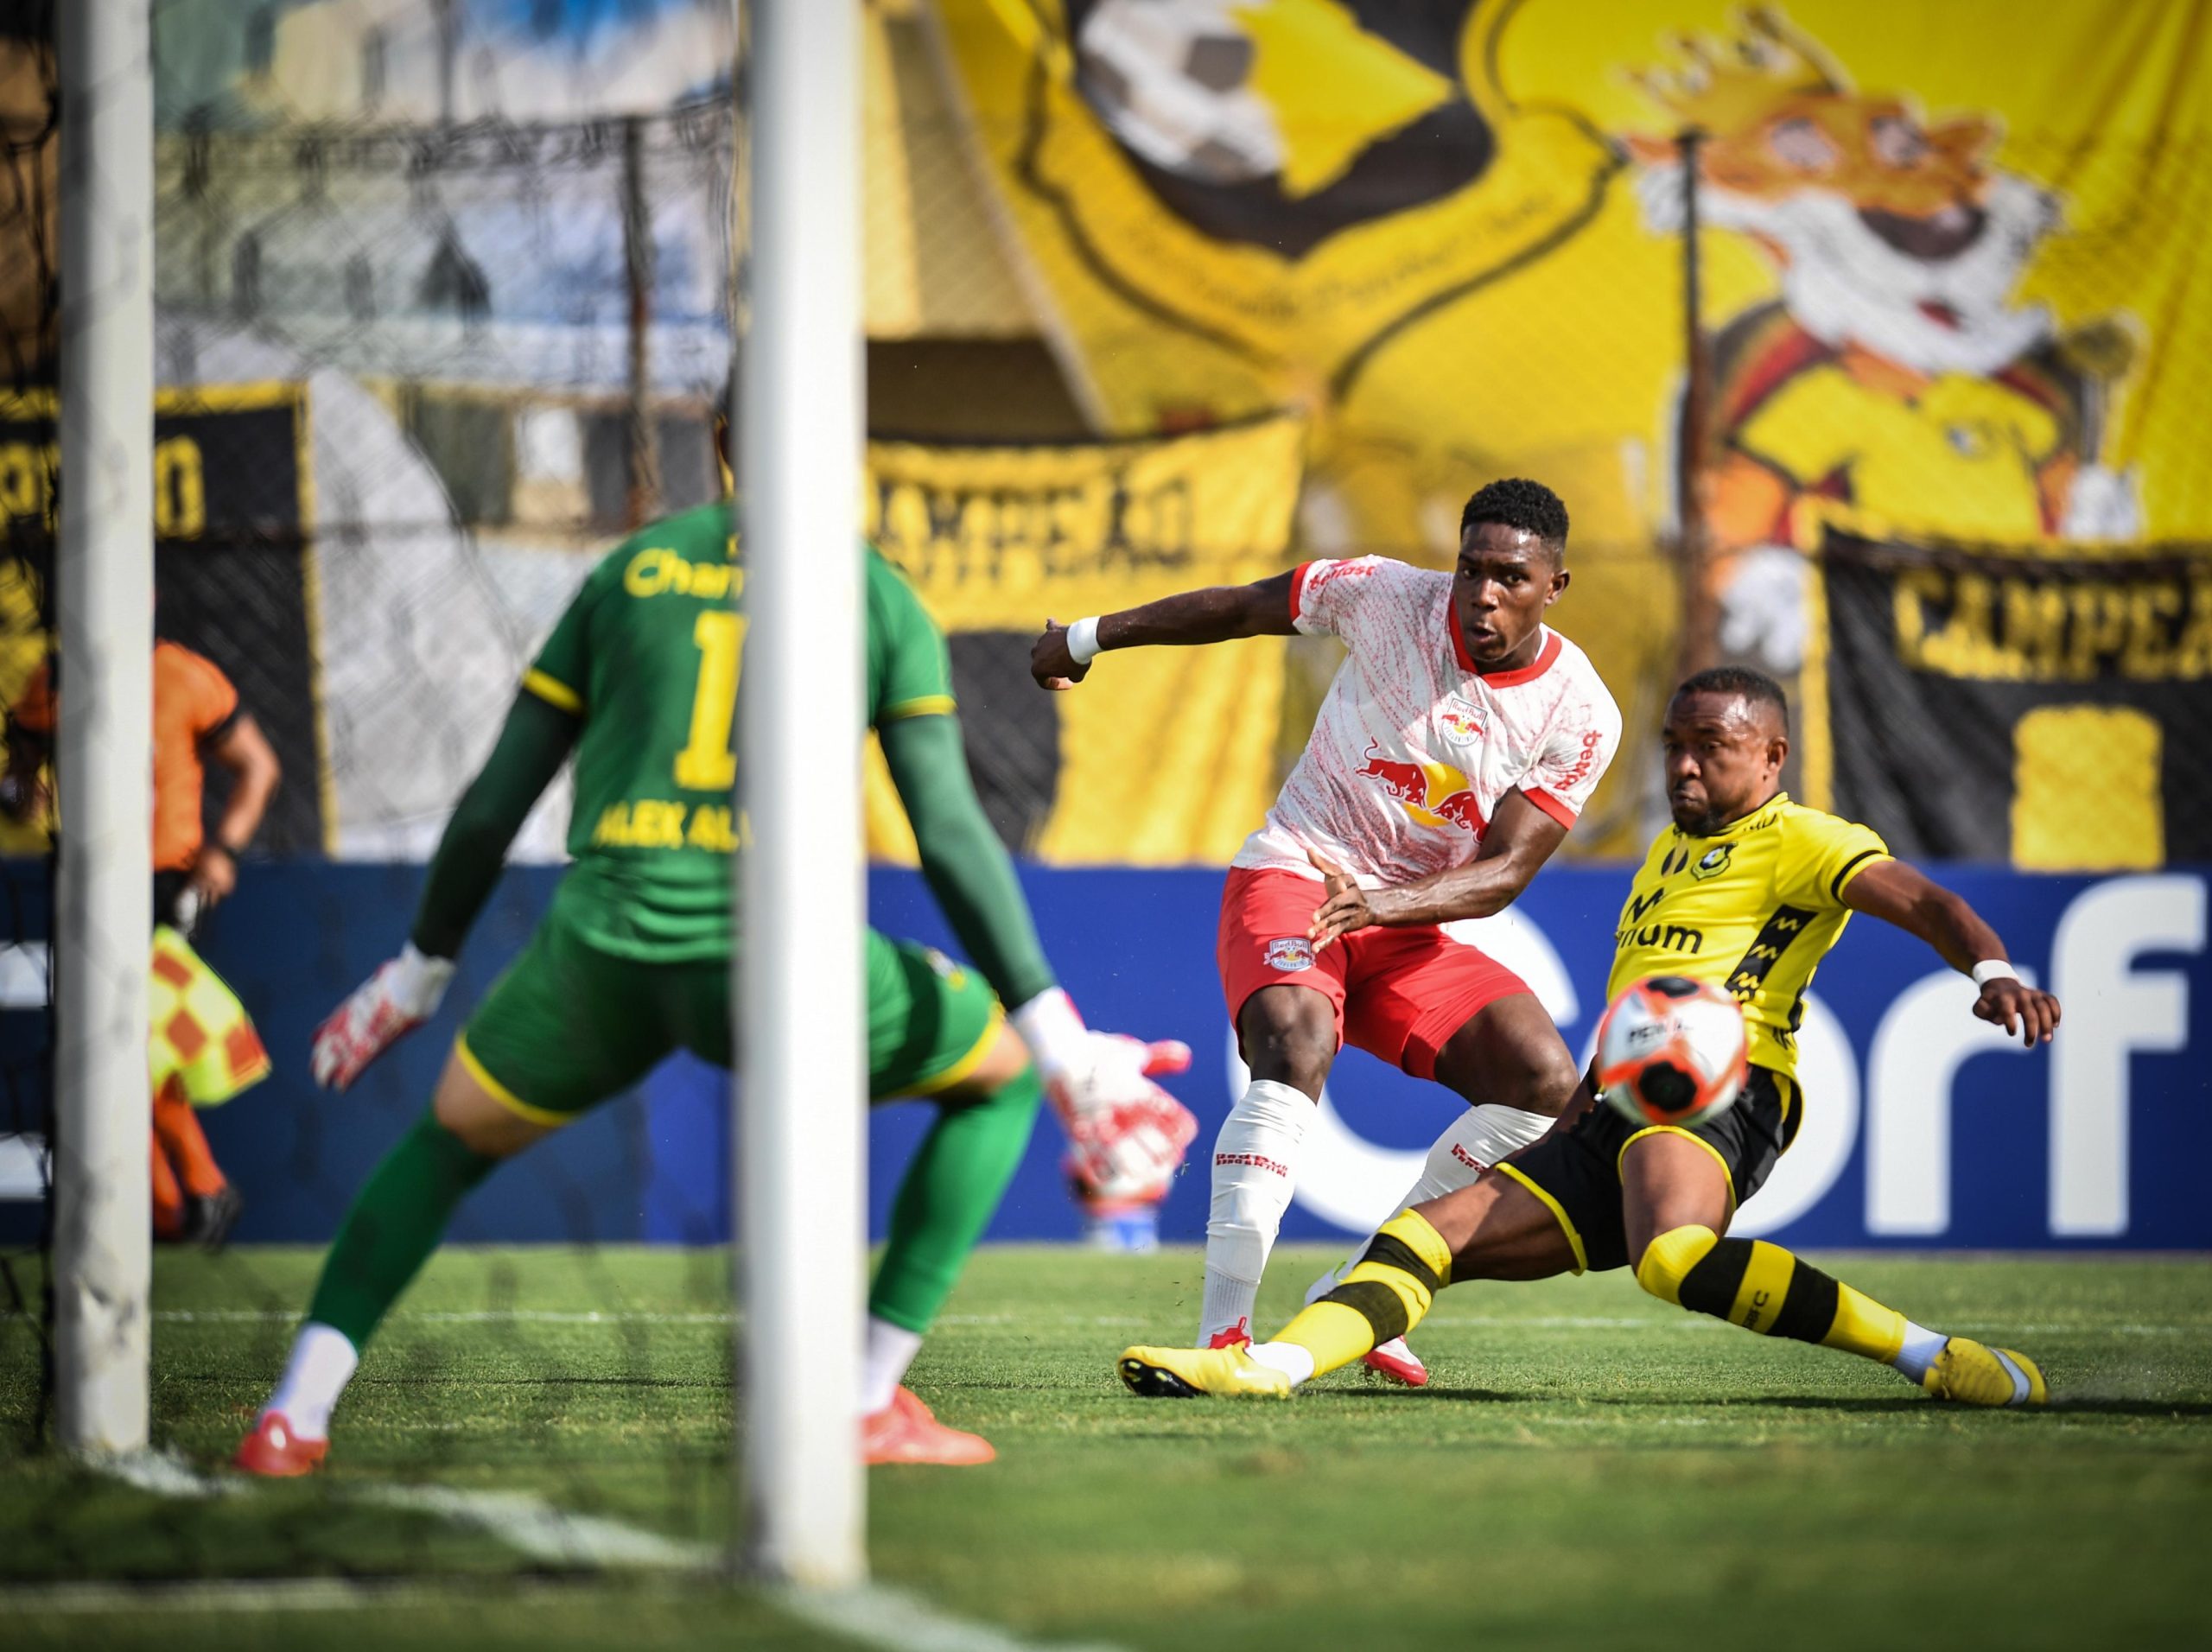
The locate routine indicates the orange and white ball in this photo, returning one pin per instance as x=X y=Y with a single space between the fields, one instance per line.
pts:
x=1670 y=1051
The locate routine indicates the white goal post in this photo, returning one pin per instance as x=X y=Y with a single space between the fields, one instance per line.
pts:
x=802 y=1097
x=104 y=602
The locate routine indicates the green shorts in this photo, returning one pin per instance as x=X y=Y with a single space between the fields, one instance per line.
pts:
x=567 y=1026
x=930 y=1021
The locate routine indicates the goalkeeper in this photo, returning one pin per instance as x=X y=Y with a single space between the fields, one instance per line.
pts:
x=638 y=680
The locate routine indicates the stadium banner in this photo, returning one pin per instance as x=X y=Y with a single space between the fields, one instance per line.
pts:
x=1454 y=234
x=234 y=578
x=2042 y=705
x=1172 y=763
x=1924 y=1126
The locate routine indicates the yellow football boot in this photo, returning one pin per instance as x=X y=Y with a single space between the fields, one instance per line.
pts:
x=1976 y=1374
x=1187 y=1373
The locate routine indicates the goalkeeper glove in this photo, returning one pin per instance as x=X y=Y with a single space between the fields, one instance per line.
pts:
x=403 y=995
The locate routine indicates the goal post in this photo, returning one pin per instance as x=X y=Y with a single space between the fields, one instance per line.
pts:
x=104 y=605
x=803 y=1094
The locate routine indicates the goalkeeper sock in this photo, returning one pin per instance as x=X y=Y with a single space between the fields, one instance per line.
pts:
x=1472 y=1142
x=1255 y=1170
x=885 y=1353
x=396 y=1222
x=1385 y=1296
x=1765 y=1289
x=322 y=1365
x=946 y=1199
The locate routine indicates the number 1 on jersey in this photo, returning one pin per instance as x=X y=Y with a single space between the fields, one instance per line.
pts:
x=708 y=764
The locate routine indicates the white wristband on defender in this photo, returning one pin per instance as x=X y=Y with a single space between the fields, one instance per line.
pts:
x=1991 y=969
x=1053 y=1031
x=1083 y=640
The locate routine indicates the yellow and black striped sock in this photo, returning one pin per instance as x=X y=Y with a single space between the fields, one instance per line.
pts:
x=1385 y=1296
x=1765 y=1289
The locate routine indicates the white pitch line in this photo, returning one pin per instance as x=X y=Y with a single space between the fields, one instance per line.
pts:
x=875 y=1615
x=872 y=1615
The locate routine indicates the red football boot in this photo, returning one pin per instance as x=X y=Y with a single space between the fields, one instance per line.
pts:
x=1237 y=1335
x=273 y=1450
x=906 y=1432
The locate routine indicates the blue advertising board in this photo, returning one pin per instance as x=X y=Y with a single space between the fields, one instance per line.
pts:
x=1923 y=1128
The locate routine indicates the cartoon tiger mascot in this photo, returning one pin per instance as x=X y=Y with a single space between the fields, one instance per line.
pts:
x=1893 y=371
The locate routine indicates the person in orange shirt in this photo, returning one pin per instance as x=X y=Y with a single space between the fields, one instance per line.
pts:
x=203 y=1048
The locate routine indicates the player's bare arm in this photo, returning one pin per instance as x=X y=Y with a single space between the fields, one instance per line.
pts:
x=1519 y=840
x=1905 y=896
x=244 y=750
x=1217 y=613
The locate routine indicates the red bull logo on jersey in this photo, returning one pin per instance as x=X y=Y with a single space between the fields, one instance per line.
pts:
x=1431 y=794
x=1460 y=723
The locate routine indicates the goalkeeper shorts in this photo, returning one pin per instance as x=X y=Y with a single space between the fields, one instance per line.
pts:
x=567 y=1025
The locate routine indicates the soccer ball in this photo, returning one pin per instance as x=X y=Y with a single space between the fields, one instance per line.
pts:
x=1174 y=84
x=1670 y=1051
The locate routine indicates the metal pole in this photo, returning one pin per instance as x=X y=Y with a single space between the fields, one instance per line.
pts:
x=104 y=589
x=1701 y=643
x=804 y=1099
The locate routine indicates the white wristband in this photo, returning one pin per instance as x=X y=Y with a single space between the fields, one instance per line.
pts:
x=419 y=980
x=1083 y=640
x=1053 y=1030
x=1991 y=969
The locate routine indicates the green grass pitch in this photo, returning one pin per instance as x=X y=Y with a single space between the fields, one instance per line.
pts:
x=1589 y=1467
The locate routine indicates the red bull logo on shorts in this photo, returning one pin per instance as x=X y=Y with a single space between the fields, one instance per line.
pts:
x=1431 y=794
x=1290 y=954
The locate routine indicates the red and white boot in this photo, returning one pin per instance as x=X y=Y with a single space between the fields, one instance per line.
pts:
x=1398 y=1362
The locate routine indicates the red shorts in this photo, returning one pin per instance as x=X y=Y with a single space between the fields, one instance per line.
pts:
x=1398 y=994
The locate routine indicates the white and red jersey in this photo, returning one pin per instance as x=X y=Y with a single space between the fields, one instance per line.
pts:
x=1413 y=749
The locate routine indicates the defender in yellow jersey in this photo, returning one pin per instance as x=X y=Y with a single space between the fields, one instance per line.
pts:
x=1748 y=890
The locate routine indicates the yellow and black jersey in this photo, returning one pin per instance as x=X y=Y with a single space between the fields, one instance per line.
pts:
x=1753 y=909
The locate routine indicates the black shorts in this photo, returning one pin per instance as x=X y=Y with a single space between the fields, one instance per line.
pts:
x=1577 y=1171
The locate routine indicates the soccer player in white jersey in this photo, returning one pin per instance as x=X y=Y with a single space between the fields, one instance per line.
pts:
x=1460 y=741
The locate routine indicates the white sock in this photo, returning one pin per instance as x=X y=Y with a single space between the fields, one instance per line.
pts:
x=322 y=1365
x=1920 y=1347
x=1293 y=1362
x=1255 y=1170
x=1470 y=1144
x=885 y=1356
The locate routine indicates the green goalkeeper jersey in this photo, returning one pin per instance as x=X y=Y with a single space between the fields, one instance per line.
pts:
x=650 y=656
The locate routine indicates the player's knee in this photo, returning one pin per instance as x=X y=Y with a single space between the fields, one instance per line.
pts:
x=1542 y=1078
x=1667 y=1260
x=1289 y=1036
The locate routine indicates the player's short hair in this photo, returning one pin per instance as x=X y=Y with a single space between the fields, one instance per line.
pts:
x=1756 y=687
x=1516 y=502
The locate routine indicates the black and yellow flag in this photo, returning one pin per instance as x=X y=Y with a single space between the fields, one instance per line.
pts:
x=2043 y=705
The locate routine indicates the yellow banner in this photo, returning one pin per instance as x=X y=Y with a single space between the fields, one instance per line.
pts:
x=1952 y=267
x=1155 y=760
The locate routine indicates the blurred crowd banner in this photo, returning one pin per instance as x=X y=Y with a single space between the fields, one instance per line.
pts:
x=1165 y=762
x=1947 y=267
x=2045 y=706
x=1949 y=276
